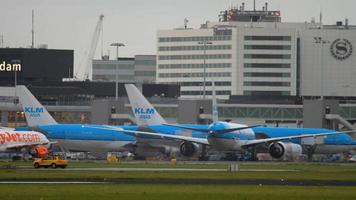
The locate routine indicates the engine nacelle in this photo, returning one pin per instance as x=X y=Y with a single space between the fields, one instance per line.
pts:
x=285 y=150
x=39 y=152
x=187 y=149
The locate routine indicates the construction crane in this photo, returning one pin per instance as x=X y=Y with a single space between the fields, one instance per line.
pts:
x=93 y=45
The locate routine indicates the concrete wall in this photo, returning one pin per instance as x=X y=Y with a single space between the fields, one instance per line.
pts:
x=101 y=110
x=188 y=110
x=314 y=113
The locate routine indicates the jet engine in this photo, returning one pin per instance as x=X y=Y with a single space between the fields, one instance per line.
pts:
x=286 y=150
x=39 y=152
x=188 y=149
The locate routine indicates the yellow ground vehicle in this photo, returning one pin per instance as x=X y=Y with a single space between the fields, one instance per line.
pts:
x=51 y=161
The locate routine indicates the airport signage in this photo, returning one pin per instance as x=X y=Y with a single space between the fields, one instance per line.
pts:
x=341 y=49
x=17 y=137
x=144 y=113
x=9 y=67
x=34 y=112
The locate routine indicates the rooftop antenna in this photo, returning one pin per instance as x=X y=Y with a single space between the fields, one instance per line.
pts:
x=185 y=23
x=321 y=20
x=33 y=31
x=347 y=23
x=254 y=5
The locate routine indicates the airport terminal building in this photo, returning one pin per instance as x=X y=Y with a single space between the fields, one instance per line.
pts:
x=138 y=69
x=255 y=53
x=48 y=73
x=262 y=67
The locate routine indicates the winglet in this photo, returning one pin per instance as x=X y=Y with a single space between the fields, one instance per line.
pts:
x=145 y=113
x=35 y=113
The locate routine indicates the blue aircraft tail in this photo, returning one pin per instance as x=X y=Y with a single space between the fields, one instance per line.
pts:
x=35 y=113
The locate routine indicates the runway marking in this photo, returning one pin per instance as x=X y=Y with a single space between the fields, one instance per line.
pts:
x=194 y=182
x=269 y=170
x=50 y=182
x=165 y=169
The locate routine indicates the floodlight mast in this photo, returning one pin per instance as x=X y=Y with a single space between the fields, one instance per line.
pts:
x=117 y=45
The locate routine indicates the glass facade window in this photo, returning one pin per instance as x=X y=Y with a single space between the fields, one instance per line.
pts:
x=266 y=74
x=217 y=83
x=222 y=83
x=186 y=75
x=268 y=38
x=190 y=66
x=219 y=92
x=268 y=47
x=121 y=78
x=145 y=62
x=145 y=73
x=267 y=56
x=267 y=93
x=195 y=39
x=113 y=66
x=261 y=112
x=266 y=65
x=195 y=57
x=70 y=117
x=267 y=84
x=194 y=48
x=195 y=92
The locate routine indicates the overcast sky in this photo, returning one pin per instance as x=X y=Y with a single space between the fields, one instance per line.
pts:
x=69 y=24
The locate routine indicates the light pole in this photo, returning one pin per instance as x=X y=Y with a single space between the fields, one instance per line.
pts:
x=204 y=43
x=15 y=95
x=117 y=45
x=320 y=40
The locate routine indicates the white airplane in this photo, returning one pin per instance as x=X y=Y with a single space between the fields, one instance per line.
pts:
x=33 y=142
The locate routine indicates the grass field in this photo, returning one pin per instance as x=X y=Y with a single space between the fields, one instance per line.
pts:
x=179 y=192
x=304 y=171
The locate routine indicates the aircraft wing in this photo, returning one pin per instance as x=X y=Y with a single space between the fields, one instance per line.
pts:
x=235 y=129
x=207 y=130
x=167 y=136
x=188 y=128
x=276 y=139
x=160 y=135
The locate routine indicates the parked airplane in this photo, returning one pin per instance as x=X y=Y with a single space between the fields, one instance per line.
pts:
x=32 y=142
x=72 y=137
x=103 y=138
x=84 y=137
x=331 y=144
x=225 y=136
